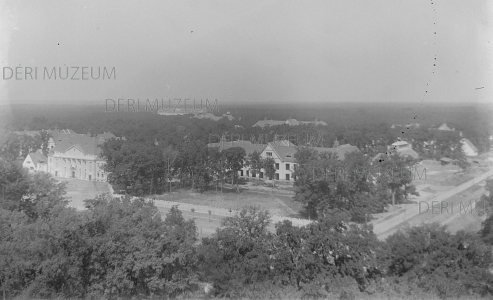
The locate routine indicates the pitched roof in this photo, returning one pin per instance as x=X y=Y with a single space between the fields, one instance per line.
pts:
x=106 y=135
x=285 y=150
x=37 y=158
x=408 y=152
x=444 y=127
x=292 y=122
x=247 y=145
x=470 y=144
x=264 y=123
x=86 y=144
x=340 y=150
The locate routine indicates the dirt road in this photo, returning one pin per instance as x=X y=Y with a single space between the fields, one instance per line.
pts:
x=443 y=208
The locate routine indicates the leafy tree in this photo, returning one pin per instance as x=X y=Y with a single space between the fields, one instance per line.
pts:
x=238 y=253
x=13 y=184
x=269 y=165
x=450 y=265
x=255 y=163
x=235 y=160
x=393 y=176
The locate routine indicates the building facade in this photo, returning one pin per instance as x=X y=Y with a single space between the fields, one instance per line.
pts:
x=77 y=157
x=282 y=152
x=36 y=161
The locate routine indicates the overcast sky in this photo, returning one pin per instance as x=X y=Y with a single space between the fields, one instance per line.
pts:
x=252 y=51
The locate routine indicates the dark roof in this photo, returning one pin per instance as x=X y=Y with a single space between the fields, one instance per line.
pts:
x=285 y=150
x=86 y=144
x=247 y=145
x=37 y=158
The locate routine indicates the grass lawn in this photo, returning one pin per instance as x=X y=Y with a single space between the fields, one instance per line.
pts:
x=282 y=205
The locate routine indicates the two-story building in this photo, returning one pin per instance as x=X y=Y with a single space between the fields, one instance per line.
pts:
x=282 y=152
x=77 y=157
x=36 y=161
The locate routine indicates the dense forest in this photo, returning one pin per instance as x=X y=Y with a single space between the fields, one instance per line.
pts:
x=357 y=124
x=122 y=248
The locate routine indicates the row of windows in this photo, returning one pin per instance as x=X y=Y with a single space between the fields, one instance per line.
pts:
x=261 y=175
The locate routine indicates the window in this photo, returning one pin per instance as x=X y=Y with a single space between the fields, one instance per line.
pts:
x=269 y=153
x=287 y=177
x=287 y=166
x=277 y=166
x=277 y=176
x=248 y=173
x=254 y=174
x=241 y=173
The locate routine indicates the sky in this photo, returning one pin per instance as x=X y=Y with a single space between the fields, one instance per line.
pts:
x=249 y=51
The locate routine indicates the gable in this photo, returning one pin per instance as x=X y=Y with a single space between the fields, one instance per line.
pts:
x=74 y=150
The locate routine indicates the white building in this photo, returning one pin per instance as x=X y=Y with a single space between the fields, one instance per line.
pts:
x=36 y=161
x=469 y=148
x=283 y=154
x=403 y=148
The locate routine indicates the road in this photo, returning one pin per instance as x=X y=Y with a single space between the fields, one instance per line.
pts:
x=417 y=214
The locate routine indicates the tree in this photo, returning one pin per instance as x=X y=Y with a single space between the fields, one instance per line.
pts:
x=255 y=163
x=394 y=175
x=235 y=160
x=238 y=253
x=14 y=184
x=270 y=169
x=450 y=265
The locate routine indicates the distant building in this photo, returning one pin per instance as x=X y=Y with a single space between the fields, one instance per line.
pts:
x=403 y=148
x=290 y=122
x=211 y=116
x=469 y=148
x=36 y=161
x=31 y=133
x=175 y=112
x=445 y=127
x=410 y=125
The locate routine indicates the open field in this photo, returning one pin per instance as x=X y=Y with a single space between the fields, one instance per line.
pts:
x=276 y=203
